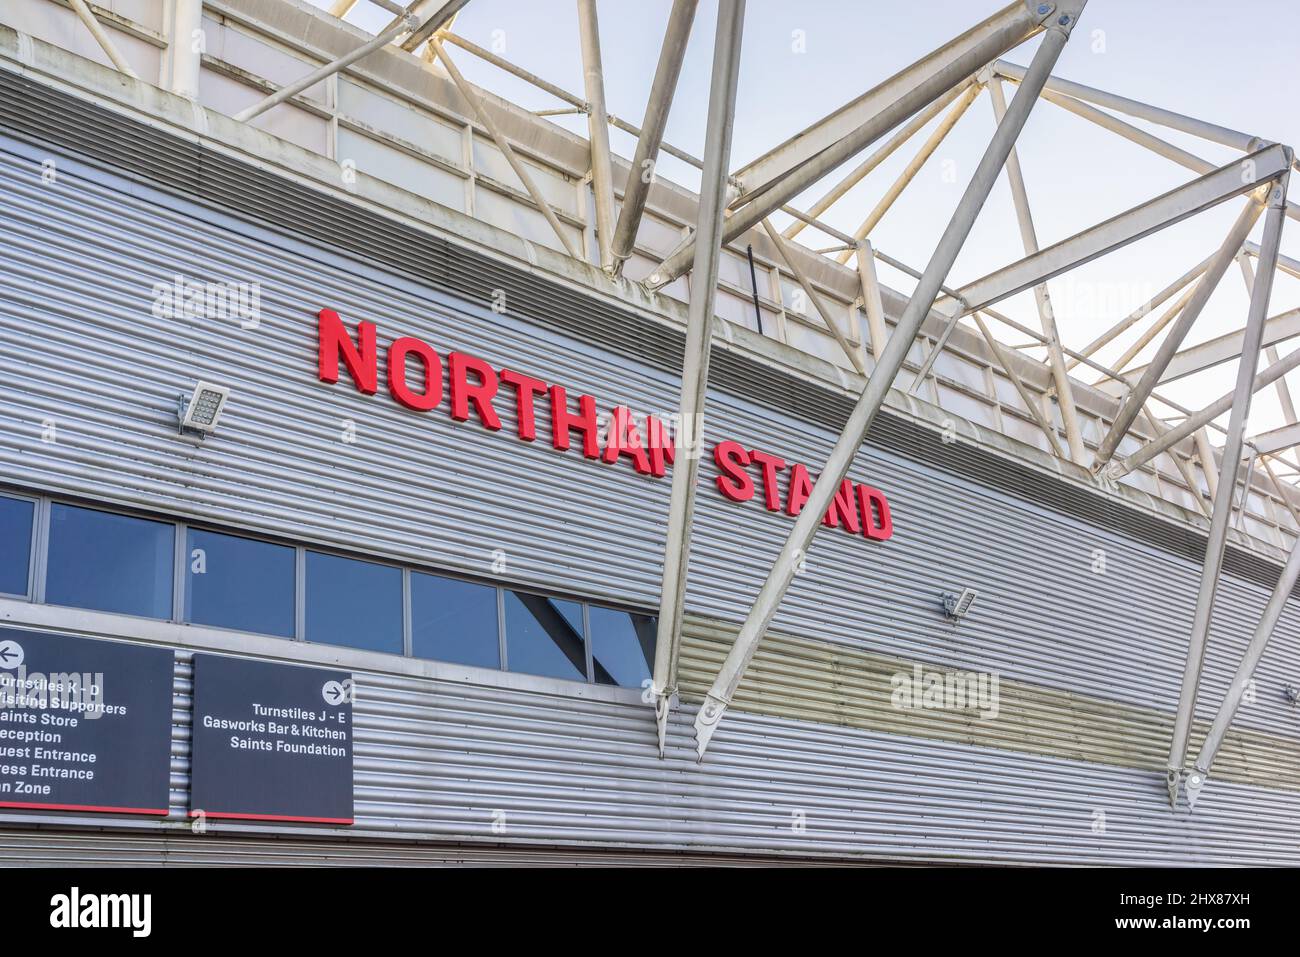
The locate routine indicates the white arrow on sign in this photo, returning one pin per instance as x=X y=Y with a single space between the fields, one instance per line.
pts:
x=333 y=692
x=11 y=654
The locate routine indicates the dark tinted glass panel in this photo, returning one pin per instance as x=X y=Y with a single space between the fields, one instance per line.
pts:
x=15 y=544
x=239 y=583
x=110 y=562
x=454 y=621
x=358 y=604
x=544 y=636
x=622 y=647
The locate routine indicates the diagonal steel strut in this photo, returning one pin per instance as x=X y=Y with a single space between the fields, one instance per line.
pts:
x=891 y=361
x=787 y=171
x=695 y=358
x=1245 y=669
x=1217 y=540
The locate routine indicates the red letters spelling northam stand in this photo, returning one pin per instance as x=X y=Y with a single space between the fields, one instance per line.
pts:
x=472 y=386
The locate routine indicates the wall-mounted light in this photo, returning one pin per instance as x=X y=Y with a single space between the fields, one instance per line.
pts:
x=955 y=605
x=1291 y=693
x=200 y=411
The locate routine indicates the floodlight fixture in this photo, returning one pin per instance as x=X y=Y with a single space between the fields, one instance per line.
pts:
x=200 y=411
x=955 y=605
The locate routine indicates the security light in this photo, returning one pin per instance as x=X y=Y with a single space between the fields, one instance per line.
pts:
x=956 y=606
x=200 y=411
x=1291 y=693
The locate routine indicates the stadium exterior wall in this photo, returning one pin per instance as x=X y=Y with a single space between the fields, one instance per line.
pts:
x=458 y=763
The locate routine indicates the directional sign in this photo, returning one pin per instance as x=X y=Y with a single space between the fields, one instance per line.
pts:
x=271 y=742
x=85 y=725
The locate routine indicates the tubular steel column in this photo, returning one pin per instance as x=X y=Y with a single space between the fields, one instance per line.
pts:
x=87 y=16
x=184 y=53
x=1139 y=394
x=1000 y=356
x=1196 y=422
x=932 y=143
x=879 y=110
x=878 y=156
x=695 y=361
x=1254 y=651
x=1205 y=453
x=1047 y=318
x=641 y=174
x=1270 y=353
x=409 y=21
x=871 y=300
x=1141 y=312
x=503 y=144
x=602 y=175
x=1229 y=465
x=815 y=297
x=873 y=396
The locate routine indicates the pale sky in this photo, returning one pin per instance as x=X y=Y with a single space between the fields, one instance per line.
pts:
x=1229 y=63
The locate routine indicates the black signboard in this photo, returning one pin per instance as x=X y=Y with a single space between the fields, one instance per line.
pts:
x=271 y=742
x=85 y=725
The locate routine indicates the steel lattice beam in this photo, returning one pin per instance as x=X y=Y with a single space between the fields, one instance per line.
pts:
x=787 y=171
x=1281 y=328
x=1275 y=440
x=1234 y=179
x=873 y=395
x=641 y=173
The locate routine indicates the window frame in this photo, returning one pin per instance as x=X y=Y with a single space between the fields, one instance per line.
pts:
x=300 y=634
x=183 y=530
x=47 y=517
x=586 y=629
x=409 y=614
x=38 y=575
x=33 y=544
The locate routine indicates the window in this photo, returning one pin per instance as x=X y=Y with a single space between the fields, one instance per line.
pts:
x=544 y=636
x=354 y=603
x=110 y=562
x=622 y=647
x=454 y=621
x=15 y=544
x=106 y=561
x=239 y=583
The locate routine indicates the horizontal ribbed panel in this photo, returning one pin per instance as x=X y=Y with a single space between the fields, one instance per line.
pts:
x=815 y=681
x=87 y=849
x=440 y=761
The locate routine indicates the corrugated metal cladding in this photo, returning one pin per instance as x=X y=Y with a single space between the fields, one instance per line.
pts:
x=441 y=761
x=437 y=759
x=816 y=681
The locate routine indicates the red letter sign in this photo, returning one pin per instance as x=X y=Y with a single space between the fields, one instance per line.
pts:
x=361 y=361
x=733 y=481
x=462 y=392
x=562 y=420
x=431 y=395
x=876 y=522
x=526 y=390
